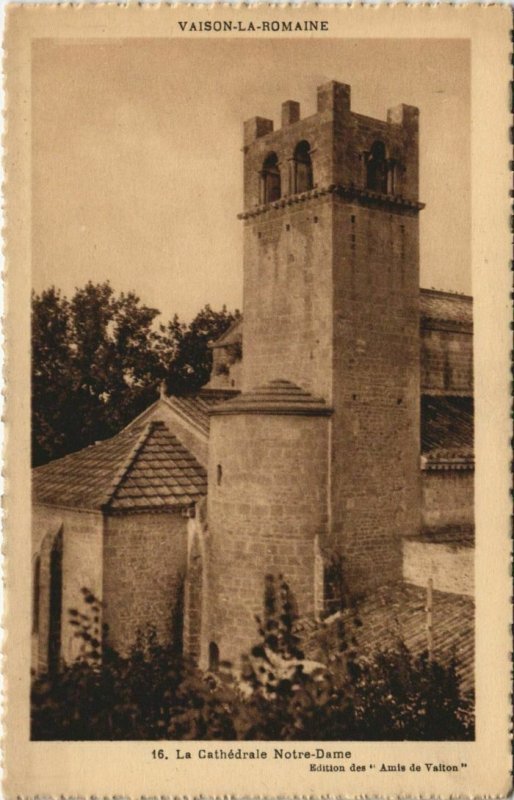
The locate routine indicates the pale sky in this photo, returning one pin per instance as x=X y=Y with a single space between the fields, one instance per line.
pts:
x=137 y=163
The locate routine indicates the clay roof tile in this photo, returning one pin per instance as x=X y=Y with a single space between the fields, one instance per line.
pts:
x=138 y=468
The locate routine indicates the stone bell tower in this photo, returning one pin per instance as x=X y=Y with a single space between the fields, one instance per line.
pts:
x=320 y=453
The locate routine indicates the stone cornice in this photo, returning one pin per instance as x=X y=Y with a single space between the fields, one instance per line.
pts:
x=347 y=191
x=434 y=391
x=263 y=408
x=444 y=463
x=182 y=510
x=61 y=507
x=275 y=397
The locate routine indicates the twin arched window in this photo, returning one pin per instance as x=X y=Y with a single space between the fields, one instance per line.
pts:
x=381 y=172
x=301 y=178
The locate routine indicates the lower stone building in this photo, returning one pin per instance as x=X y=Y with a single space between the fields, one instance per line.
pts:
x=112 y=520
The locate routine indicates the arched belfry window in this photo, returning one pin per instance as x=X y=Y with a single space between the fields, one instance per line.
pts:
x=302 y=167
x=376 y=176
x=271 y=189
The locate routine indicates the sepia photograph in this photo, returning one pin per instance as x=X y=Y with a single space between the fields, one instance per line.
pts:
x=258 y=410
x=252 y=390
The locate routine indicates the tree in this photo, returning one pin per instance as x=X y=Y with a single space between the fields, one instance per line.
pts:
x=95 y=365
x=52 y=383
x=190 y=364
x=98 y=360
x=116 y=363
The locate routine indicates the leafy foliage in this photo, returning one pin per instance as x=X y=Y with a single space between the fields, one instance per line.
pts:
x=280 y=695
x=412 y=697
x=98 y=359
x=191 y=359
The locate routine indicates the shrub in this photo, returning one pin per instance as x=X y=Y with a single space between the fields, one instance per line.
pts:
x=279 y=695
x=403 y=696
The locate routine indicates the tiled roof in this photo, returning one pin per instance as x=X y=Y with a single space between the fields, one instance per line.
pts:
x=447 y=427
x=196 y=407
x=398 y=611
x=139 y=468
x=444 y=306
x=276 y=396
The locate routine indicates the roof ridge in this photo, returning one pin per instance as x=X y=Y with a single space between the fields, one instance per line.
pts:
x=174 y=404
x=148 y=410
x=129 y=460
x=218 y=342
x=445 y=292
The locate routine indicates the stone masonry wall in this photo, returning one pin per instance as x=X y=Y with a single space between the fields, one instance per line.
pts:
x=145 y=558
x=267 y=503
x=81 y=567
x=447 y=498
x=375 y=426
x=451 y=568
x=287 y=297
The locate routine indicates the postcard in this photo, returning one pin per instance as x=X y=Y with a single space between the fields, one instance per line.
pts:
x=258 y=401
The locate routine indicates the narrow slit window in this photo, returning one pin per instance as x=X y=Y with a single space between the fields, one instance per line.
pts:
x=214 y=657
